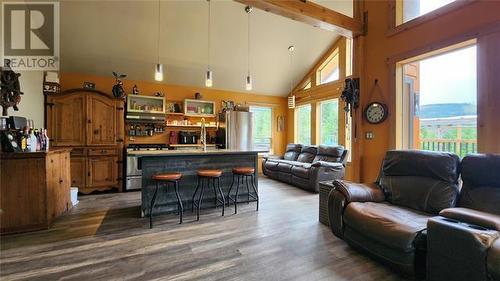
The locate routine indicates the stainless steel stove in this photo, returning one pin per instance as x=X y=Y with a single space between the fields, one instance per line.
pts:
x=133 y=170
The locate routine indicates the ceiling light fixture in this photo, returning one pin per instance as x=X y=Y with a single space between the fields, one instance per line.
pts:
x=159 y=66
x=208 y=77
x=291 y=97
x=248 y=86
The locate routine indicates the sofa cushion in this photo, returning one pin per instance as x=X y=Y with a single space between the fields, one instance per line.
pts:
x=390 y=225
x=422 y=180
x=271 y=165
x=481 y=187
x=329 y=153
x=301 y=171
x=493 y=260
x=285 y=167
x=307 y=154
x=292 y=151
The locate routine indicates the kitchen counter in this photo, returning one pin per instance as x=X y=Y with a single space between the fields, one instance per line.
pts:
x=188 y=162
x=191 y=152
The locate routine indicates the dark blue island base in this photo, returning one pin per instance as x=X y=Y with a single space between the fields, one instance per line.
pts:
x=187 y=163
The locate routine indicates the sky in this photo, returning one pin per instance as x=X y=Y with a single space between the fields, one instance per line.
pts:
x=449 y=78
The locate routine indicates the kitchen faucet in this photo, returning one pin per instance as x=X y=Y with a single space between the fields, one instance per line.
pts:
x=203 y=135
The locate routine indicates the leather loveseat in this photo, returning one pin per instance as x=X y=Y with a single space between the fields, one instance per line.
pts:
x=464 y=242
x=306 y=166
x=388 y=219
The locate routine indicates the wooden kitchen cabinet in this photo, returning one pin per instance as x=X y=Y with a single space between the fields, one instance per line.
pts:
x=78 y=171
x=90 y=122
x=35 y=188
x=66 y=118
x=102 y=171
x=101 y=123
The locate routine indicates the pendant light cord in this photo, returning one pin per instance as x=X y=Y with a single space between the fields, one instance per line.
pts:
x=209 y=29
x=158 y=37
x=248 y=41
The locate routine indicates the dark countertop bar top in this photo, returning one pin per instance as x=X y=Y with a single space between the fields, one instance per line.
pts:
x=191 y=152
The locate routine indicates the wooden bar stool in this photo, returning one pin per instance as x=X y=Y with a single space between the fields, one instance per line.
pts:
x=243 y=173
x=166 y=178
x=208 y=176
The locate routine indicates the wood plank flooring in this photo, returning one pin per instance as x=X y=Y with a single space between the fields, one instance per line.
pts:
x=103 y=238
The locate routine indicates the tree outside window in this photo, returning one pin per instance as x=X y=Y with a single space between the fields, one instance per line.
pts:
x=329 y=122
x=303 y=124
x=262 y=127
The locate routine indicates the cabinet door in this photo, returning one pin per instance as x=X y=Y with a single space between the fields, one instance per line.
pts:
x=101 y=126
x=66 y=119
x=102 y=171
x=78 y=171
x=120 y=122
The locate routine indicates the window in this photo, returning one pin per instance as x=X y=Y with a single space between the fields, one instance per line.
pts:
x=262 y=127
x=329 y=70
x=348 y=57
x=411 y=9
x=439 y=102
x=308 y=85
x=303 y=124
x=329 y=122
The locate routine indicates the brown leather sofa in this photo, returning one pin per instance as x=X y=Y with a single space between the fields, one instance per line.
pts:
x=388 y=219
x=306 y=166
x=464 y=242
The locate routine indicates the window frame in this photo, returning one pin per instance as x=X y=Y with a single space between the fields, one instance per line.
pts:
x=271 y=145
x=396 y=28
x=335 y=53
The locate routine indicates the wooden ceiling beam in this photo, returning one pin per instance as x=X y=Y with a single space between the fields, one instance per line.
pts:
x=310 y=13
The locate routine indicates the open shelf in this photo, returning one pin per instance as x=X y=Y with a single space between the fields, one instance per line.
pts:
x=191 y=126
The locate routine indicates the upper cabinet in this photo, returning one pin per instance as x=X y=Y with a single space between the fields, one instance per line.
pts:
x=66 y=117
x=83 y=118
x=145 y=104
x=101 y=123
x=199 y=108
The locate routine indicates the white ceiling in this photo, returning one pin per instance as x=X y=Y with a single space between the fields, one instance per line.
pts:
x=98 y=37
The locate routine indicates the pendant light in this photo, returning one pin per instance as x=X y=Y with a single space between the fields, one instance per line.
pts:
x=291 y=98
x=248 y=81
x=208 y=76
x=159 y=66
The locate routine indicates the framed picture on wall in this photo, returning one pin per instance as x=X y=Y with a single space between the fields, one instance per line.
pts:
x=281 y=123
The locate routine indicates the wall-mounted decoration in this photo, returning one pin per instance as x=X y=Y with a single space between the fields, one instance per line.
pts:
x=281 y=123
x=198 y=96
x=135 y=90
x=89 y=85
x=159 y=94
x=118 y=91
x=350 y=94
x=10 y=90
x=291 y=102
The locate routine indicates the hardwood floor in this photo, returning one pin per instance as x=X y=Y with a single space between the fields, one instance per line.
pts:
x=103 y=238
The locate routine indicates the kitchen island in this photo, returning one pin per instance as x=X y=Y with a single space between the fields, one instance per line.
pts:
x=188 y=162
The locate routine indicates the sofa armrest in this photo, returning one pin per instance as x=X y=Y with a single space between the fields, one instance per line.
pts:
x=457 y=251
x=359 y=192
x=487 y=220
x=332 y=165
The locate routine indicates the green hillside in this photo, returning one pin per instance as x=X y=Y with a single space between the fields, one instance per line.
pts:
x=447 y=110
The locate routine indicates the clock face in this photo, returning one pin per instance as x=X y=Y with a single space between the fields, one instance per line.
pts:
x=376 y=112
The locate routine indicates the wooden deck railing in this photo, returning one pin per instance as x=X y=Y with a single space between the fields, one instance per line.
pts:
x=459 y=147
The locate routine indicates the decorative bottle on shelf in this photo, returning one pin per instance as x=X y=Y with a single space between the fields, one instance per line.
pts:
x=46 y=140
x=32 y=142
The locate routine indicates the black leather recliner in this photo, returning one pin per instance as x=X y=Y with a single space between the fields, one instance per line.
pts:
x=306 y=166
x=464 y=242
x=387 y=219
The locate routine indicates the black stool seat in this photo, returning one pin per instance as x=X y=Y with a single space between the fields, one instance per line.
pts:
x=244 y=174
x=208 y=176
x=167 y=178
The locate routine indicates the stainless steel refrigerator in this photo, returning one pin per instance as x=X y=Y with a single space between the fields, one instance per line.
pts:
x=235 y=130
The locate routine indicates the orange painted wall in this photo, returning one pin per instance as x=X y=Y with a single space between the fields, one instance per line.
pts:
x=380 y=47
x=179 y=93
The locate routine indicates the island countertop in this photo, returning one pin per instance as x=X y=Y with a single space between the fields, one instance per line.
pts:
x=191 y=152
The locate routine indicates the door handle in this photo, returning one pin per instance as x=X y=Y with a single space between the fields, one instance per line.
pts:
x=60 y=181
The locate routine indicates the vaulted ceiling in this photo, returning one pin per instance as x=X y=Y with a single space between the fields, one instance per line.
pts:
x=98 y=37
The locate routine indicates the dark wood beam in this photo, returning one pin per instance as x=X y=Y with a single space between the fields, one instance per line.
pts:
x=310 y=13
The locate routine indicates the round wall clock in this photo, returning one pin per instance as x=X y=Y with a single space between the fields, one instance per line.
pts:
x=376 y=113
